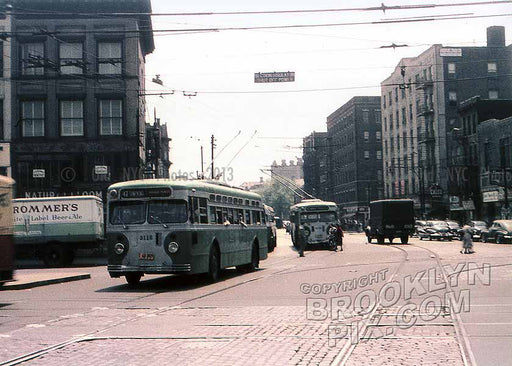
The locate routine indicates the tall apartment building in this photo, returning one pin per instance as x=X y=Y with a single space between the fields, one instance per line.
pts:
x=355 y=136
x=316 y=164
x=420 y=109
x=78 y=94
x=5 y=94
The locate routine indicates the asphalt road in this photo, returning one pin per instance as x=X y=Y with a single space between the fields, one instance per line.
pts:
x=326 y=308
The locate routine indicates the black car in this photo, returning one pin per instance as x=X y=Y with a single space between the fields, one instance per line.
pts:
x=476 y=228
x=437 y=230
x=454 y=227
x=419 y=227
x=499 y=232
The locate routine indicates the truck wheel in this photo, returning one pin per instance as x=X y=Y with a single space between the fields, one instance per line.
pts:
x=54 y=256
x=404 y=239
x=133 y=278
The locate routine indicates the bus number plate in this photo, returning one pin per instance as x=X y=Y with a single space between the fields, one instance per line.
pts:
x=146 y=256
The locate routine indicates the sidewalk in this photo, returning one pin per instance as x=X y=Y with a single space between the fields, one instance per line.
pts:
x=29 y=278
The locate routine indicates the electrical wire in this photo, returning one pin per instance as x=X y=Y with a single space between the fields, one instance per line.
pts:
x=382 y=8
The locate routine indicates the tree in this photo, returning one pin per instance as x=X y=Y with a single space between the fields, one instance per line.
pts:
x=278 y=196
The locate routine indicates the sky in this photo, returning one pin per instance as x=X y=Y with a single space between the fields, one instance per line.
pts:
x=254 y=124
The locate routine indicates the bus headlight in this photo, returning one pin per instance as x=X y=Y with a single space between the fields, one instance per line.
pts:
x=113 y=193
x=119 y=248
x=173 y=247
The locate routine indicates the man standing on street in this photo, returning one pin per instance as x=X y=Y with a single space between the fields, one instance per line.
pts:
x=302 y=240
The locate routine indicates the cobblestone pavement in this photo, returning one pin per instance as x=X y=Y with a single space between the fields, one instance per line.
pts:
x=259 y=335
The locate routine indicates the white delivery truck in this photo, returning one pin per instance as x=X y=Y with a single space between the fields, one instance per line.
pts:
x=54 y=227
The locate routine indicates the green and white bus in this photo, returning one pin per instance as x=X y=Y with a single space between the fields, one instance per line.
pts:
x=315 y=216
x=159 y=226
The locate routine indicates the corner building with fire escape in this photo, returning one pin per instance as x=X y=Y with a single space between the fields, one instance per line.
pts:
x=420 y=111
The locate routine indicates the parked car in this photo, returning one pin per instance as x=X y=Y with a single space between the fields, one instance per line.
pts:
x=499 y=232
x=419 y=226
x=476 y=228
x=436 y=230
x=454 y=227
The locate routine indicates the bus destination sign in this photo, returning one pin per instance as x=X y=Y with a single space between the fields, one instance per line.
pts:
x=274 y=77
x=146 y=192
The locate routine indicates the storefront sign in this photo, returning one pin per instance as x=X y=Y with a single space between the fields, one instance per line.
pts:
x=492 y=196
x=468 y=205
x=38 y=173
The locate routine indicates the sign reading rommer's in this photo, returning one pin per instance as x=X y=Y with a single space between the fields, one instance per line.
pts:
x=274 y=77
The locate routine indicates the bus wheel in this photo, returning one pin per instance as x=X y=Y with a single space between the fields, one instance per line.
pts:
x=133 y=278
x=255 y=259
x=404 y=239
x=214 y=265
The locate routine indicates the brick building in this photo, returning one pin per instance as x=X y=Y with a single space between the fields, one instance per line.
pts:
x=78 y=85
x=420 y=103
x=355 y=136
x=316 y=164
x=495 y=155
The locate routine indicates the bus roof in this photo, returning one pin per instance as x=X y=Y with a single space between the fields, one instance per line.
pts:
x=308 y=205
x=213 y=187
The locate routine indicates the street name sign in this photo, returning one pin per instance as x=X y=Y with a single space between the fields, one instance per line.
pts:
x=274 y=77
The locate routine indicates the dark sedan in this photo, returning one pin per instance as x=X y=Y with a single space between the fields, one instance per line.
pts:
x=499 y=232
x=436 y=230
x=476 y=228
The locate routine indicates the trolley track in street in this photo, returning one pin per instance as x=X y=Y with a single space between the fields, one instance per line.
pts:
x=97 y=333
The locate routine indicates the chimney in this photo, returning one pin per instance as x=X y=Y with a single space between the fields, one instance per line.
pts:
x=496 y=36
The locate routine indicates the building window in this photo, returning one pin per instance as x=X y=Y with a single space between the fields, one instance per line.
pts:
x=492 y=68
x=452 y=97
x=72 y=118
x=384 y=101
x=451 y=68
x=366 y=154
x=110 y=60
x=493 y=94
x=32 y=115
x=71 y=58
x=366 y=135
x=379 y=155
x=366 y=115
x=32 y=59
x=377 y=115
x=111 y=117
x=378 y=135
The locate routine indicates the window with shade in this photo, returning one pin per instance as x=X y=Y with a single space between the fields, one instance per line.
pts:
x=111 y=117
x=72 y=118
x=110 y=59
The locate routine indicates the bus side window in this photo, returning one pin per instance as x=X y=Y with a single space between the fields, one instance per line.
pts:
x=230 y=216
x=264 y=217
x=219 y=215
x=256 y=217
x=193 y=209
x=203 y=211
x=213 y=217
x=236 y=218
x=248 y=217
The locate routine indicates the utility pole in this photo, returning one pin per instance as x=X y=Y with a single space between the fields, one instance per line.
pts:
x=213 y=148
x=202 y=163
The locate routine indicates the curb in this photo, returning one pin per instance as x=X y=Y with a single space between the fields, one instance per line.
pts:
x=22 y=286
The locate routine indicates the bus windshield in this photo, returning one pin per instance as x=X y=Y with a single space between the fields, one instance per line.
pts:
x=327 y=216
x=169 y=212
x=133 y=212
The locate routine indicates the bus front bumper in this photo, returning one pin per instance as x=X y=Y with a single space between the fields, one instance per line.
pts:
x=116 y=270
